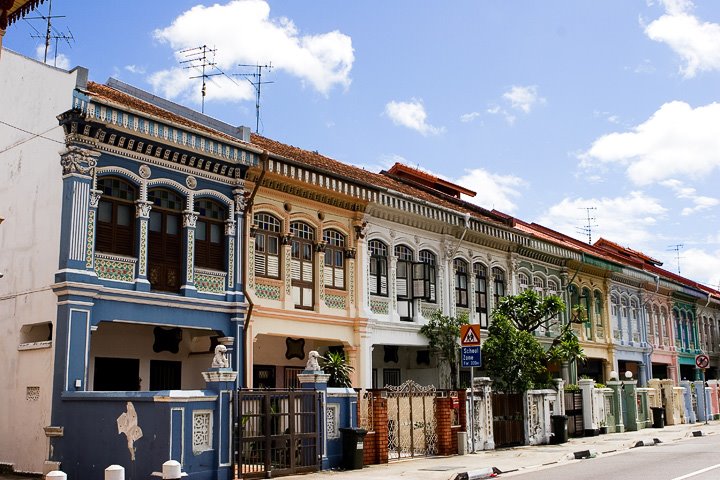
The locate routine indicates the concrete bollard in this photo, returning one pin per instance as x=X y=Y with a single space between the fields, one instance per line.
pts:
x=171 y=470
x=56 y=475
x=115 y=472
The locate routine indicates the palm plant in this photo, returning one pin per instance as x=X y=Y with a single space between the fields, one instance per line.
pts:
x=335 y=364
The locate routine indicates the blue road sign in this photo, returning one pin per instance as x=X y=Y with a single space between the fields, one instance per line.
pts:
x=471 y=357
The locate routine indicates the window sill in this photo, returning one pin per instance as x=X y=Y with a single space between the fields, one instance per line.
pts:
x=35 y=345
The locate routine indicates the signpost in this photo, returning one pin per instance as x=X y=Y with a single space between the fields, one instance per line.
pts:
x=702 y=362
x=470 y=355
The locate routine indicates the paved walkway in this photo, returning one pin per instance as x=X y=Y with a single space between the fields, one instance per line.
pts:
x=514 y=459
x=506 y=460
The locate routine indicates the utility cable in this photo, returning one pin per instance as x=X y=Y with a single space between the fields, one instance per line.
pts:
x=34 y=135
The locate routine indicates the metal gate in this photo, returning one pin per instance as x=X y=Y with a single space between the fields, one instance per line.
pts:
x=574 y=412
x=276 y=432
x=508 y=419
x=411 y=421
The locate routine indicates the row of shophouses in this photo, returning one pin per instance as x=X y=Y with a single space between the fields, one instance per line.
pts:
x=142 y=234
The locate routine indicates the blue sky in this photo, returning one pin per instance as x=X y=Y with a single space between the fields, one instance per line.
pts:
x=543 y=108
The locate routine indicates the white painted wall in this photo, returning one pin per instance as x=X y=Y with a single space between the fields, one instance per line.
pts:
x=30 y=197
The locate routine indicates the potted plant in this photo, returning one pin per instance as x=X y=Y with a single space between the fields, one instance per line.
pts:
x=335 y=364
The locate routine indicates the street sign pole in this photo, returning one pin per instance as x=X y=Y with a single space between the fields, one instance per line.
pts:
x=472 y=408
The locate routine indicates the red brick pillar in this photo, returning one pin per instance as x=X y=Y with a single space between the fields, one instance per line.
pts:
x=380 y=420
x=443 y=428
x=462 y=399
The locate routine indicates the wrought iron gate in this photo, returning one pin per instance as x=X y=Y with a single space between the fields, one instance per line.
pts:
x=411 y=421
x=276 y=432
x=508 y=419
x=574 y=412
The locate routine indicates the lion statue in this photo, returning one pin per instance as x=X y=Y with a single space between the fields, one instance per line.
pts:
x=220 y=359
x=312 y=363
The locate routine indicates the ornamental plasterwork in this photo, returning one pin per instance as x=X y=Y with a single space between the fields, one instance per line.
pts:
x=95 y=198
x=142 y=266
x=142 y=209
x=231 y=262
x=78 y=160
x=351 y=268
x=230 y=227
x=240 y=202
x=144 y=171
x=90 y=248
x=189 y=219
x=190 y=260
x=191 y=182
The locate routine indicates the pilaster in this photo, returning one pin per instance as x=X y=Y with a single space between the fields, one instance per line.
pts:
x=142 y=221
x=189 y=222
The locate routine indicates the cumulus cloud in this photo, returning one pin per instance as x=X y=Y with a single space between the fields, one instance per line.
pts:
x=494 y=191
x=523 y=98
x=469 y=117
x=689 y=193
x=676 y=141
x=59 y=60
x=243 y=32
x=695 y=41
x=411 y=115
x=498 y=110
x=135 y=69
x=699 y=265
x=627 y=219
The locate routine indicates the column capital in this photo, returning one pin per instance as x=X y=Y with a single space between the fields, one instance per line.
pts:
x=76 y=160
x=189 y=219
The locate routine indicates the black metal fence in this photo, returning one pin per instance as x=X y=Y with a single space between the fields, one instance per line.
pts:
x=277 y=432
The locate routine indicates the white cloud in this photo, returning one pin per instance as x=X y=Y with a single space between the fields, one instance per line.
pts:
x=523 y=98
x=497 y=110
x=626 y=220
x=411 y=115
x=135 y=69
x=696 y=42
x=243 y=32
x=689 y=193
x=676 y=141
x=469 y=117
x=493 y=191
x=176 y=83
x=59 y=60
x=699 y=265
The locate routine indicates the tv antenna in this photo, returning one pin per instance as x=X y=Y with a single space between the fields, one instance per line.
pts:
x=198 y=58
x=51 y=33
x=256 y=82
x=587 y=228
x=677 y=248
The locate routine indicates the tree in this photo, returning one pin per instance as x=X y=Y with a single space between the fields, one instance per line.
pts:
x=514 y=357
x=443 y=334
x=335 y=364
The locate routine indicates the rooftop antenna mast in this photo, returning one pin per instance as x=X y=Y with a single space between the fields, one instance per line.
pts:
x=587 y=228
x=677 y=248
x=256 y=83
x=51 y=33
x=198 y=58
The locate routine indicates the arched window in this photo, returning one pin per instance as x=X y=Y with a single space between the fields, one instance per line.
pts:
x=587 y=303
x=524 y=281
x=115 y=217
x=301 y=264
x=378 y=267
x=267 y=245
x=210 y=235
x=664 y=327
x=481 y=307
x=461 y=282
x=334 y=259
x=598 y=309
x=425 y=277
x=165 y=240
x=498 y=284
x=403 y=282
x=539 y=286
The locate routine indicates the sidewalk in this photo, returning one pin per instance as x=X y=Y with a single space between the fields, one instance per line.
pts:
x=513 y=459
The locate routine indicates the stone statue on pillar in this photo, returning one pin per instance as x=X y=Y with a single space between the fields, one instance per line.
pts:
x=220 y=359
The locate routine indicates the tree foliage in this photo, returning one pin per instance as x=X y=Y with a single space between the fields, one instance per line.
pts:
x=335 y=364
x=513 y=355
x=443 y=334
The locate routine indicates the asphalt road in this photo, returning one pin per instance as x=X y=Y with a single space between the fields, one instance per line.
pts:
x=695 y=458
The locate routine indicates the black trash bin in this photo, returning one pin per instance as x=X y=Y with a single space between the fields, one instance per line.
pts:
x=353 y=441
x=559 y=429
x=658 y=417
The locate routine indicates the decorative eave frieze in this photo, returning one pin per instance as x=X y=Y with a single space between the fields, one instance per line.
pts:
x=97 y=135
